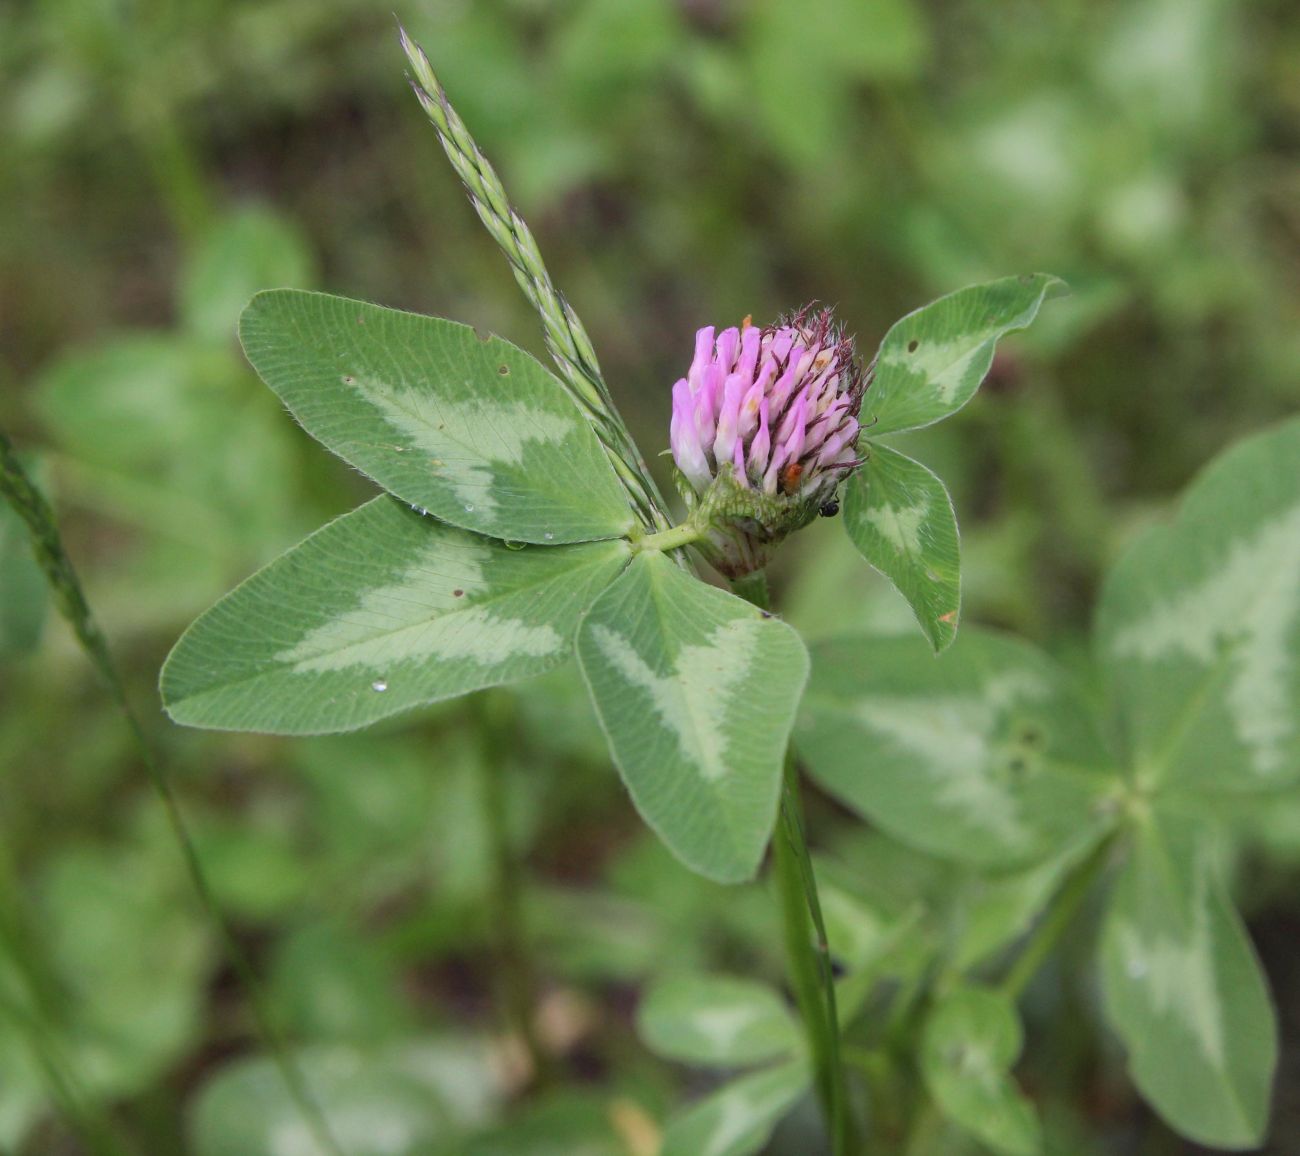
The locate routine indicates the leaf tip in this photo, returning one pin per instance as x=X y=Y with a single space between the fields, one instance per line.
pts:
x=1053 y=286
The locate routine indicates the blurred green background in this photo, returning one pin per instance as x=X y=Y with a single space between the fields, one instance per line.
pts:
x=682 y=162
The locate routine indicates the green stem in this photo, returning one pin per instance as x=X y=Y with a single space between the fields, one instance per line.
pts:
x=176 y=170
x=808 y=951
x=671 y=539
x=515 y=980
x=1064 y=907
x=809 y=955
x=805 y=979
x=30 y=505
x=928 y=1123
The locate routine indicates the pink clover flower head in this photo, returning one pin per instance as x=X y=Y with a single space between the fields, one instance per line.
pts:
x=764 y=429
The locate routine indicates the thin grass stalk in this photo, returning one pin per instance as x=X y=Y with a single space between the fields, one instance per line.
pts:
x=75 y=1107
x=22 y=494
x=566 y=337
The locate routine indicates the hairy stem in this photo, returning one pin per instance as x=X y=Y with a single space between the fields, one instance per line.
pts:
x=30 y=504
x=566 y=338
x=670 y=539
x=811 y=975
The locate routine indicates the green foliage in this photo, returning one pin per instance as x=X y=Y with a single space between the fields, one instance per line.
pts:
x=242 y=254
x=867 y=154
x=563 y=1124
x=168 y=435
x=802 y=73
x=330 y=983
x=382 y=610
x=970 y=1042
x=696 y=691
x=995 y=910
x=1010 y=760
x=932 y=361
x=1184 y=990
x=1199 y=629
x=717 y=1020
x=107 y=918
x=899 y=515
x=399 y=1100
x=84 y=977
x=737 y=1119
x=1197 y=635
x=469 y=428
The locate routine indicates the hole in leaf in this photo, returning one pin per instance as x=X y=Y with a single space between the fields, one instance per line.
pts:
x=911 y=345
x=458 y=593
x=503 y=370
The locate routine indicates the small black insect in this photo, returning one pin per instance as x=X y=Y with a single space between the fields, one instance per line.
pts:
x=831 y=508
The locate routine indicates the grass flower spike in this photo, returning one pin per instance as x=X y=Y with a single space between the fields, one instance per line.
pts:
x=764 y=429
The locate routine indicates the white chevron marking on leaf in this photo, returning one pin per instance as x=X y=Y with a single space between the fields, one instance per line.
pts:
x=1267 y=564
x=900 y=526
x=693 y=698
x=952 y=735
x=495 y=431
x=1179 y=975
